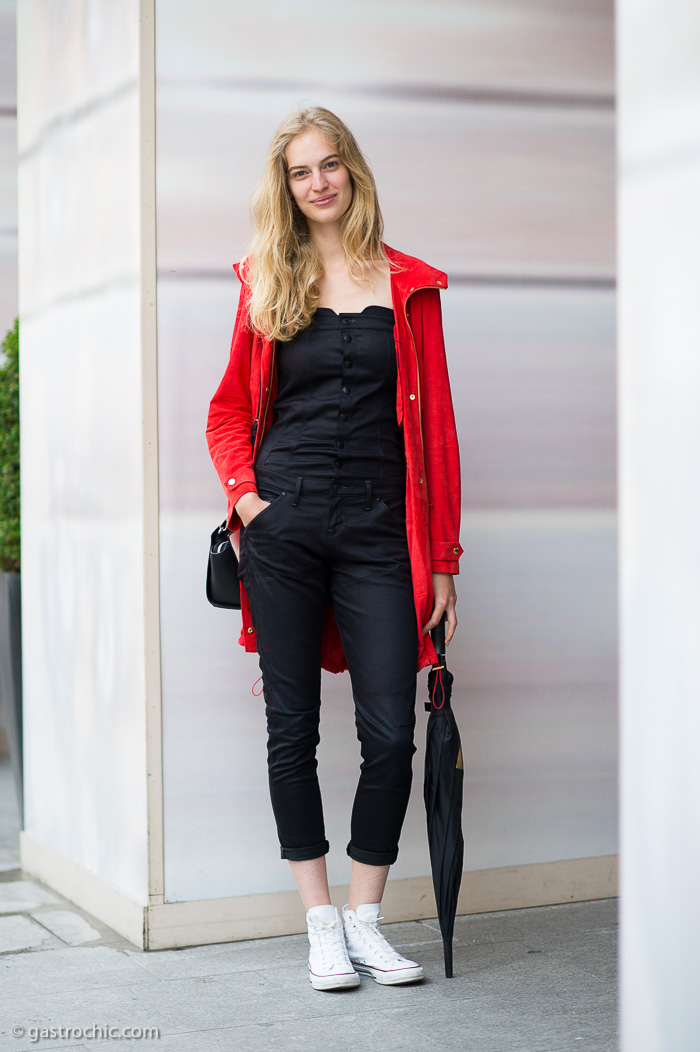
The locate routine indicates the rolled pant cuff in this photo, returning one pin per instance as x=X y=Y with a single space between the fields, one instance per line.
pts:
x=372 y=858
x=304 y=854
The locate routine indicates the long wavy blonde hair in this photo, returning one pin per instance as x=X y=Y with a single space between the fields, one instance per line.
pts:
x=283 y=264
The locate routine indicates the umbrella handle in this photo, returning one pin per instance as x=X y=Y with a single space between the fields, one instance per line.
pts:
x=437 y=635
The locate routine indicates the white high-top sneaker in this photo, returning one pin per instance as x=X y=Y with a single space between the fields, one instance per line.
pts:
x=329 y=964
x=371 y=953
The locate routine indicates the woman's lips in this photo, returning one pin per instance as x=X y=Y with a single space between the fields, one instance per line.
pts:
x=324 y=200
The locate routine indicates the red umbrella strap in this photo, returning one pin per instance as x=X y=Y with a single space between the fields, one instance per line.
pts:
x=438 y=677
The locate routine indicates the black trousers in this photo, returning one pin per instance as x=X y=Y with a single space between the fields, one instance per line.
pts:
x=344 y=542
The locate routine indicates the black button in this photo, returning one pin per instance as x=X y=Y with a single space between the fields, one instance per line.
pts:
x=335 y=487
x=346 y=321
x=346 y=390
x=347 y=337
x=348 y=363
x=340 y=444
x=339 y=463
x=343 y=416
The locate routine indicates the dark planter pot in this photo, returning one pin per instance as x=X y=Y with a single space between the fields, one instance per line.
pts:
x=11 y=675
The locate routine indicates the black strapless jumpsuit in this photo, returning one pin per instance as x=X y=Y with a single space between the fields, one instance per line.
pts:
x=333 y=466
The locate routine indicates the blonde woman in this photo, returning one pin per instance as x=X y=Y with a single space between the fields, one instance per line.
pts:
x=333 y=435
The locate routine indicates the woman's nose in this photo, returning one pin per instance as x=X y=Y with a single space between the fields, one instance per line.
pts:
x=319 y=180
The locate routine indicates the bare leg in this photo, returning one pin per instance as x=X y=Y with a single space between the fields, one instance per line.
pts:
x=366 y=883
x=312 y=881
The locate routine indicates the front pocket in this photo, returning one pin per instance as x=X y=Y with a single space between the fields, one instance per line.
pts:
x=264 y=495
x=394 y=507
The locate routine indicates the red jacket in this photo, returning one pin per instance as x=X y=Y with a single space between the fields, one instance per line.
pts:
x=423 y=407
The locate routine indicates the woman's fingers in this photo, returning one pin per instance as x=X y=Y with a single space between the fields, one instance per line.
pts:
x=435 y=618
x=444 y=600
x=451 y=624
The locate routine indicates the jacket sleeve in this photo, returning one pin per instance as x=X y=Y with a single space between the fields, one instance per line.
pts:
x=230 y=418
x=440 y=443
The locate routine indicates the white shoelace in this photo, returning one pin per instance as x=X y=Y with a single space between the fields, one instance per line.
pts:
x=331 y=943
x=370 y=934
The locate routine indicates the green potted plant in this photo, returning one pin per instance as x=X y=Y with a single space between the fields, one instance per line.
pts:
x=10 y=609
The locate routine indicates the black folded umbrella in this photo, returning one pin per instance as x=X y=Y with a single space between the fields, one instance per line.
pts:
x=443 y=790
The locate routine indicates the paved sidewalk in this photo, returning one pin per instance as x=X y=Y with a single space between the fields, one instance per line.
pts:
x=534 y=980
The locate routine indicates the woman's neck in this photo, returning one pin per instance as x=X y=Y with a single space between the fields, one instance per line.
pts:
x=329 y=246
x=338 y=290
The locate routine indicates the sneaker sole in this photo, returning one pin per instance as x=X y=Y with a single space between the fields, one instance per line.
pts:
x=334 y=982
x=406 y=975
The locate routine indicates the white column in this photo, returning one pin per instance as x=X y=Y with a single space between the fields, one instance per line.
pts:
x=659 y=332
x=89 y=454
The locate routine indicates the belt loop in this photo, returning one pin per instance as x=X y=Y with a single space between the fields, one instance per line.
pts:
x=368 y=485
x=297 y=490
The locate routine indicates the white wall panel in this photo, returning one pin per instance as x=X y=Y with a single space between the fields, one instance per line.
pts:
x=81 y=470
x=497 y=190
x=490 y=131
x=8 y=166
x=659 y=166
x=541 y=45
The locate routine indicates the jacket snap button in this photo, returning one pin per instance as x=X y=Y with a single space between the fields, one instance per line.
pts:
x=420 y=480
x=231 y=482
x=456 y=551
x=251 y=629
x=412 y=397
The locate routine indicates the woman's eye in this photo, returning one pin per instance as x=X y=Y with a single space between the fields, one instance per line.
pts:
x=298 y=173
x=332 y=164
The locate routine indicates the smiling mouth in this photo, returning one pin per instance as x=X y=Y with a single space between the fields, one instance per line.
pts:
x=324 y=200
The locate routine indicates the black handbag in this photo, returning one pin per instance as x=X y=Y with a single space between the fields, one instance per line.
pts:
x=223 y=587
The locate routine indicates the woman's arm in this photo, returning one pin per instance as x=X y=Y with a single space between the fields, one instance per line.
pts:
x=441 y=453
x=440 y=443
x=230 y=418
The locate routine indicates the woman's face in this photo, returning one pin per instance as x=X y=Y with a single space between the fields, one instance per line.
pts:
x=317 y=178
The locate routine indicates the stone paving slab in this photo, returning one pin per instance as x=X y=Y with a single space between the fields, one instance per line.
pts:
x=19 y=933
x=175 y=1006
x=66 y=968
x=559 y=922
x=259 y=953
x=504 y=1024
x=69 y=926
x=46 y=1045
x=344 y=1033
x=17 y=896
x=9 y=860
x=528 y=992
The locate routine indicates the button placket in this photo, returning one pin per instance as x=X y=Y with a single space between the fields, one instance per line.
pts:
x=345 y=392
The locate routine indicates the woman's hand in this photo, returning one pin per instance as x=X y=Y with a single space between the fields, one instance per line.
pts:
x=250 y=505
x=444 y=598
